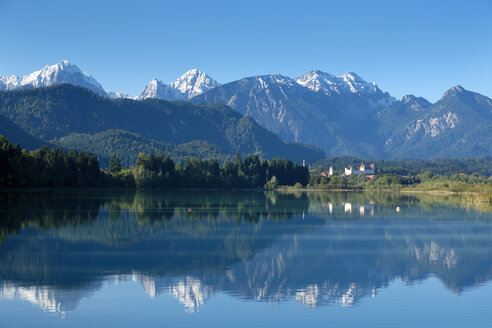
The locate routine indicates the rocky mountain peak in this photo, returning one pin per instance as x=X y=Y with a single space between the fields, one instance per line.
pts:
x=348 y=83
x=415 y=103
x=457 y=90
x=160 y=90
x=193 y=83
x=61 y=72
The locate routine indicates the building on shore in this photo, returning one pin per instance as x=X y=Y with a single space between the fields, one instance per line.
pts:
x=362 y=169
x=328 y=173
x=368 y=171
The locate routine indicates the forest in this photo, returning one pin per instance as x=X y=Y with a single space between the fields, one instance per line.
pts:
x=54 y=167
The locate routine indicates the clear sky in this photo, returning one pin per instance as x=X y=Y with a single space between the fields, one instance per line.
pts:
x=417 y=47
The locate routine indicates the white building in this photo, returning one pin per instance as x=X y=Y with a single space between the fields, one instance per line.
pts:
x=362 y=169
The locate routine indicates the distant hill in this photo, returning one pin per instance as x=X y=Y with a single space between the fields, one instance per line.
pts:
x=75 y=117
x=127 y=146
x=18 y=136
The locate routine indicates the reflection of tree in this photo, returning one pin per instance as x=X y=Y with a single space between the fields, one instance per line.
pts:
x=251 y=207
x=55 y=209
x=150 y=210
x=347 y=205
x=45 y=210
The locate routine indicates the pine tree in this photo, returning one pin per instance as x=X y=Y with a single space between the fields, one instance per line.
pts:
x=114 y=164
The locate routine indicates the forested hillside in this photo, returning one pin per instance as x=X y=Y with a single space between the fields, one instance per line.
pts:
x=74 y=117
x=13 y=132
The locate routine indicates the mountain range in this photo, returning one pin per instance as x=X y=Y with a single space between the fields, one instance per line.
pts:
x=343 y=115
x=73 y=117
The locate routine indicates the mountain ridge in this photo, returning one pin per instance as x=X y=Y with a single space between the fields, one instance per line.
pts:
x=344 y=115
x=56 y=112
x=460 y=123
x=192 y=83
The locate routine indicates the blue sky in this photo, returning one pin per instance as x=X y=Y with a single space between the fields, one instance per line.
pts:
x=418 y=47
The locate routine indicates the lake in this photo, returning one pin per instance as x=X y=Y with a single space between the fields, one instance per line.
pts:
x=90 y=258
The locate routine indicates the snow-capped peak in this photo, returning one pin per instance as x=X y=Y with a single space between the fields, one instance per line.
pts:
x=62 y=72
x=271 y=80
x=329 y=84
x=10 y=82
x=117 y=95
x=158 y=89
x=358 y=85
x=194 y=82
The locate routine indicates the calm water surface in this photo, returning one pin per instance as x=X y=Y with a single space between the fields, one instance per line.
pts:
x=242 y=259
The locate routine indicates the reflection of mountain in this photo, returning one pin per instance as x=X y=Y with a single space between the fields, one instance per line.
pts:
x=47 y=298
x=263 y=246
x=345 y=260
x=188 y=290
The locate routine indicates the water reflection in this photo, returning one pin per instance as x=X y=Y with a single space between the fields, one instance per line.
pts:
x=59 y=248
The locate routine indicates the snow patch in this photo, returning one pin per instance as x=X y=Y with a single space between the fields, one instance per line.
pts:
x=194 y=83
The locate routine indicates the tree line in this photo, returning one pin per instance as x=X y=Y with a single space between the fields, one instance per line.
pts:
x=54 y=167
x=426 y=180
x=55 y=209
x=47 y=167
x=153 y=171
